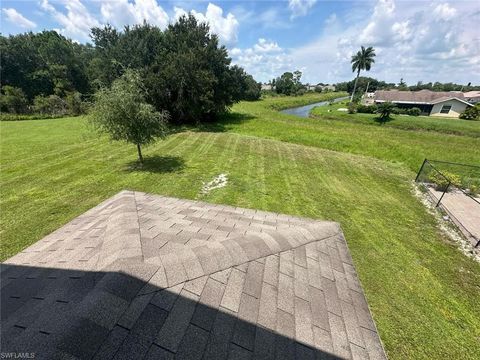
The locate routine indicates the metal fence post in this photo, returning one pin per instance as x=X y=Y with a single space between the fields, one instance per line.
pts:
x=441 y=197
x=420 y=171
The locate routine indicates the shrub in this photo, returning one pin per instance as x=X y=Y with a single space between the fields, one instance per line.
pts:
x=13 y=100
x=415 y=111
x=51 y=105
x=471 y=113
x=123 y=113
x=441 y=181
x=367 y=109
x=352 y=108
x=300 y=92
x=384 y=110
x=74 y=103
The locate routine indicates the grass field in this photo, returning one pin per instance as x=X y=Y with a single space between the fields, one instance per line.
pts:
x=427 y=123
x=422 y=291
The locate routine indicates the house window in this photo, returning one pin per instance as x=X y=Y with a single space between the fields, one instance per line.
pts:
x=445 y=109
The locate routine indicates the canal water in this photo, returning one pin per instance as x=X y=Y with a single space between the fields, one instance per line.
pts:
x=304 y=111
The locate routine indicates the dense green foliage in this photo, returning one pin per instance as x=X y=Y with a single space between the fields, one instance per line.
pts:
x=417 y=283
x=471 y=113
x=184 y=69
x=366 y=109
x=289 y=83
x=123 y=113
x=13 y=100
x=384 y=110
x=414 y=111
x=44 y=63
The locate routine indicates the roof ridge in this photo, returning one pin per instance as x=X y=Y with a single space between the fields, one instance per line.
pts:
x=121 y=239
x=192 y=263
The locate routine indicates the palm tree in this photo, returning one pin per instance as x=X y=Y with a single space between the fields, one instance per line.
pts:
x=362 y=60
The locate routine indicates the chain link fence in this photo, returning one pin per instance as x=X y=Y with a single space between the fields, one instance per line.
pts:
x=455 y=188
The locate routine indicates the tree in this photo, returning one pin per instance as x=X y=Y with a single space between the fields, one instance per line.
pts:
x=244 y=86
x=384 y=110
x=13 y=100
x=191 y=75
x=289 y=83
x=362 y=60
x=123 y=113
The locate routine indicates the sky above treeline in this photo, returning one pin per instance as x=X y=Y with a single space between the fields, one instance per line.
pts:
x=414 y=40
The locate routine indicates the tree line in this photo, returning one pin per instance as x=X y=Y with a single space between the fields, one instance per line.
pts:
x=183 y=70
x=374 y=84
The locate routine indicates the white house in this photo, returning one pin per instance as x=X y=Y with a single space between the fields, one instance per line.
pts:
x=433 y=103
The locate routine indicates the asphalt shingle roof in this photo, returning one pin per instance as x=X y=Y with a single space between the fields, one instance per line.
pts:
x=146 y=276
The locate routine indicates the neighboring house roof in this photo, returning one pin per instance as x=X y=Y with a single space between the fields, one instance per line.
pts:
x=414 y=97
x=447 y=98
x=145 y=275
x=473 y=93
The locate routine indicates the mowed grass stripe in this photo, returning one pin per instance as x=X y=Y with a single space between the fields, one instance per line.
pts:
x=388 y=143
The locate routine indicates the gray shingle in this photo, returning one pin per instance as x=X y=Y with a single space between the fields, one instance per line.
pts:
x=165 y=299
x=177 y=321
x=303 y=322
x=319 y=308
x=264 y=344
x=285 y=293
x=193 y=344
x=221 y=334
x=253 y=279
x=239 y=353
x=233 y=291
x=207 y=307
x=373 y=345
x=331 y=296
x=267 y=314
x=351 y=324
x=110 y=346
x=339 y=336
x=270 y=274
x=196 y=286
x=244 y=334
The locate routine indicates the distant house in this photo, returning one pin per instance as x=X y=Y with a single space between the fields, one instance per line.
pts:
x=472 y=97
x=433 y=103
x=327 y=87
x=267 y=87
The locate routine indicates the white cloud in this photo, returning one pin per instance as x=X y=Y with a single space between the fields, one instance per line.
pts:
x=121 y=12
x=265 y=60
x=76 y=22
x=425 y=42
x=16 y=18
x=265 y=46
x=226 y=27
x=444 y=12
x=300 y=7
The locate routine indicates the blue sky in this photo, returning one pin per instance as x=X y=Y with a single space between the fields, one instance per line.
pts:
x=415 y=40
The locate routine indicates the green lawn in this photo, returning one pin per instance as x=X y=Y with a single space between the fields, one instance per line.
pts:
x=422 y=291
x=379 y=141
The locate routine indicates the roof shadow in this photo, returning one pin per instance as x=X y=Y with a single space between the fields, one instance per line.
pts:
x=62 y=313
x=157 y=164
